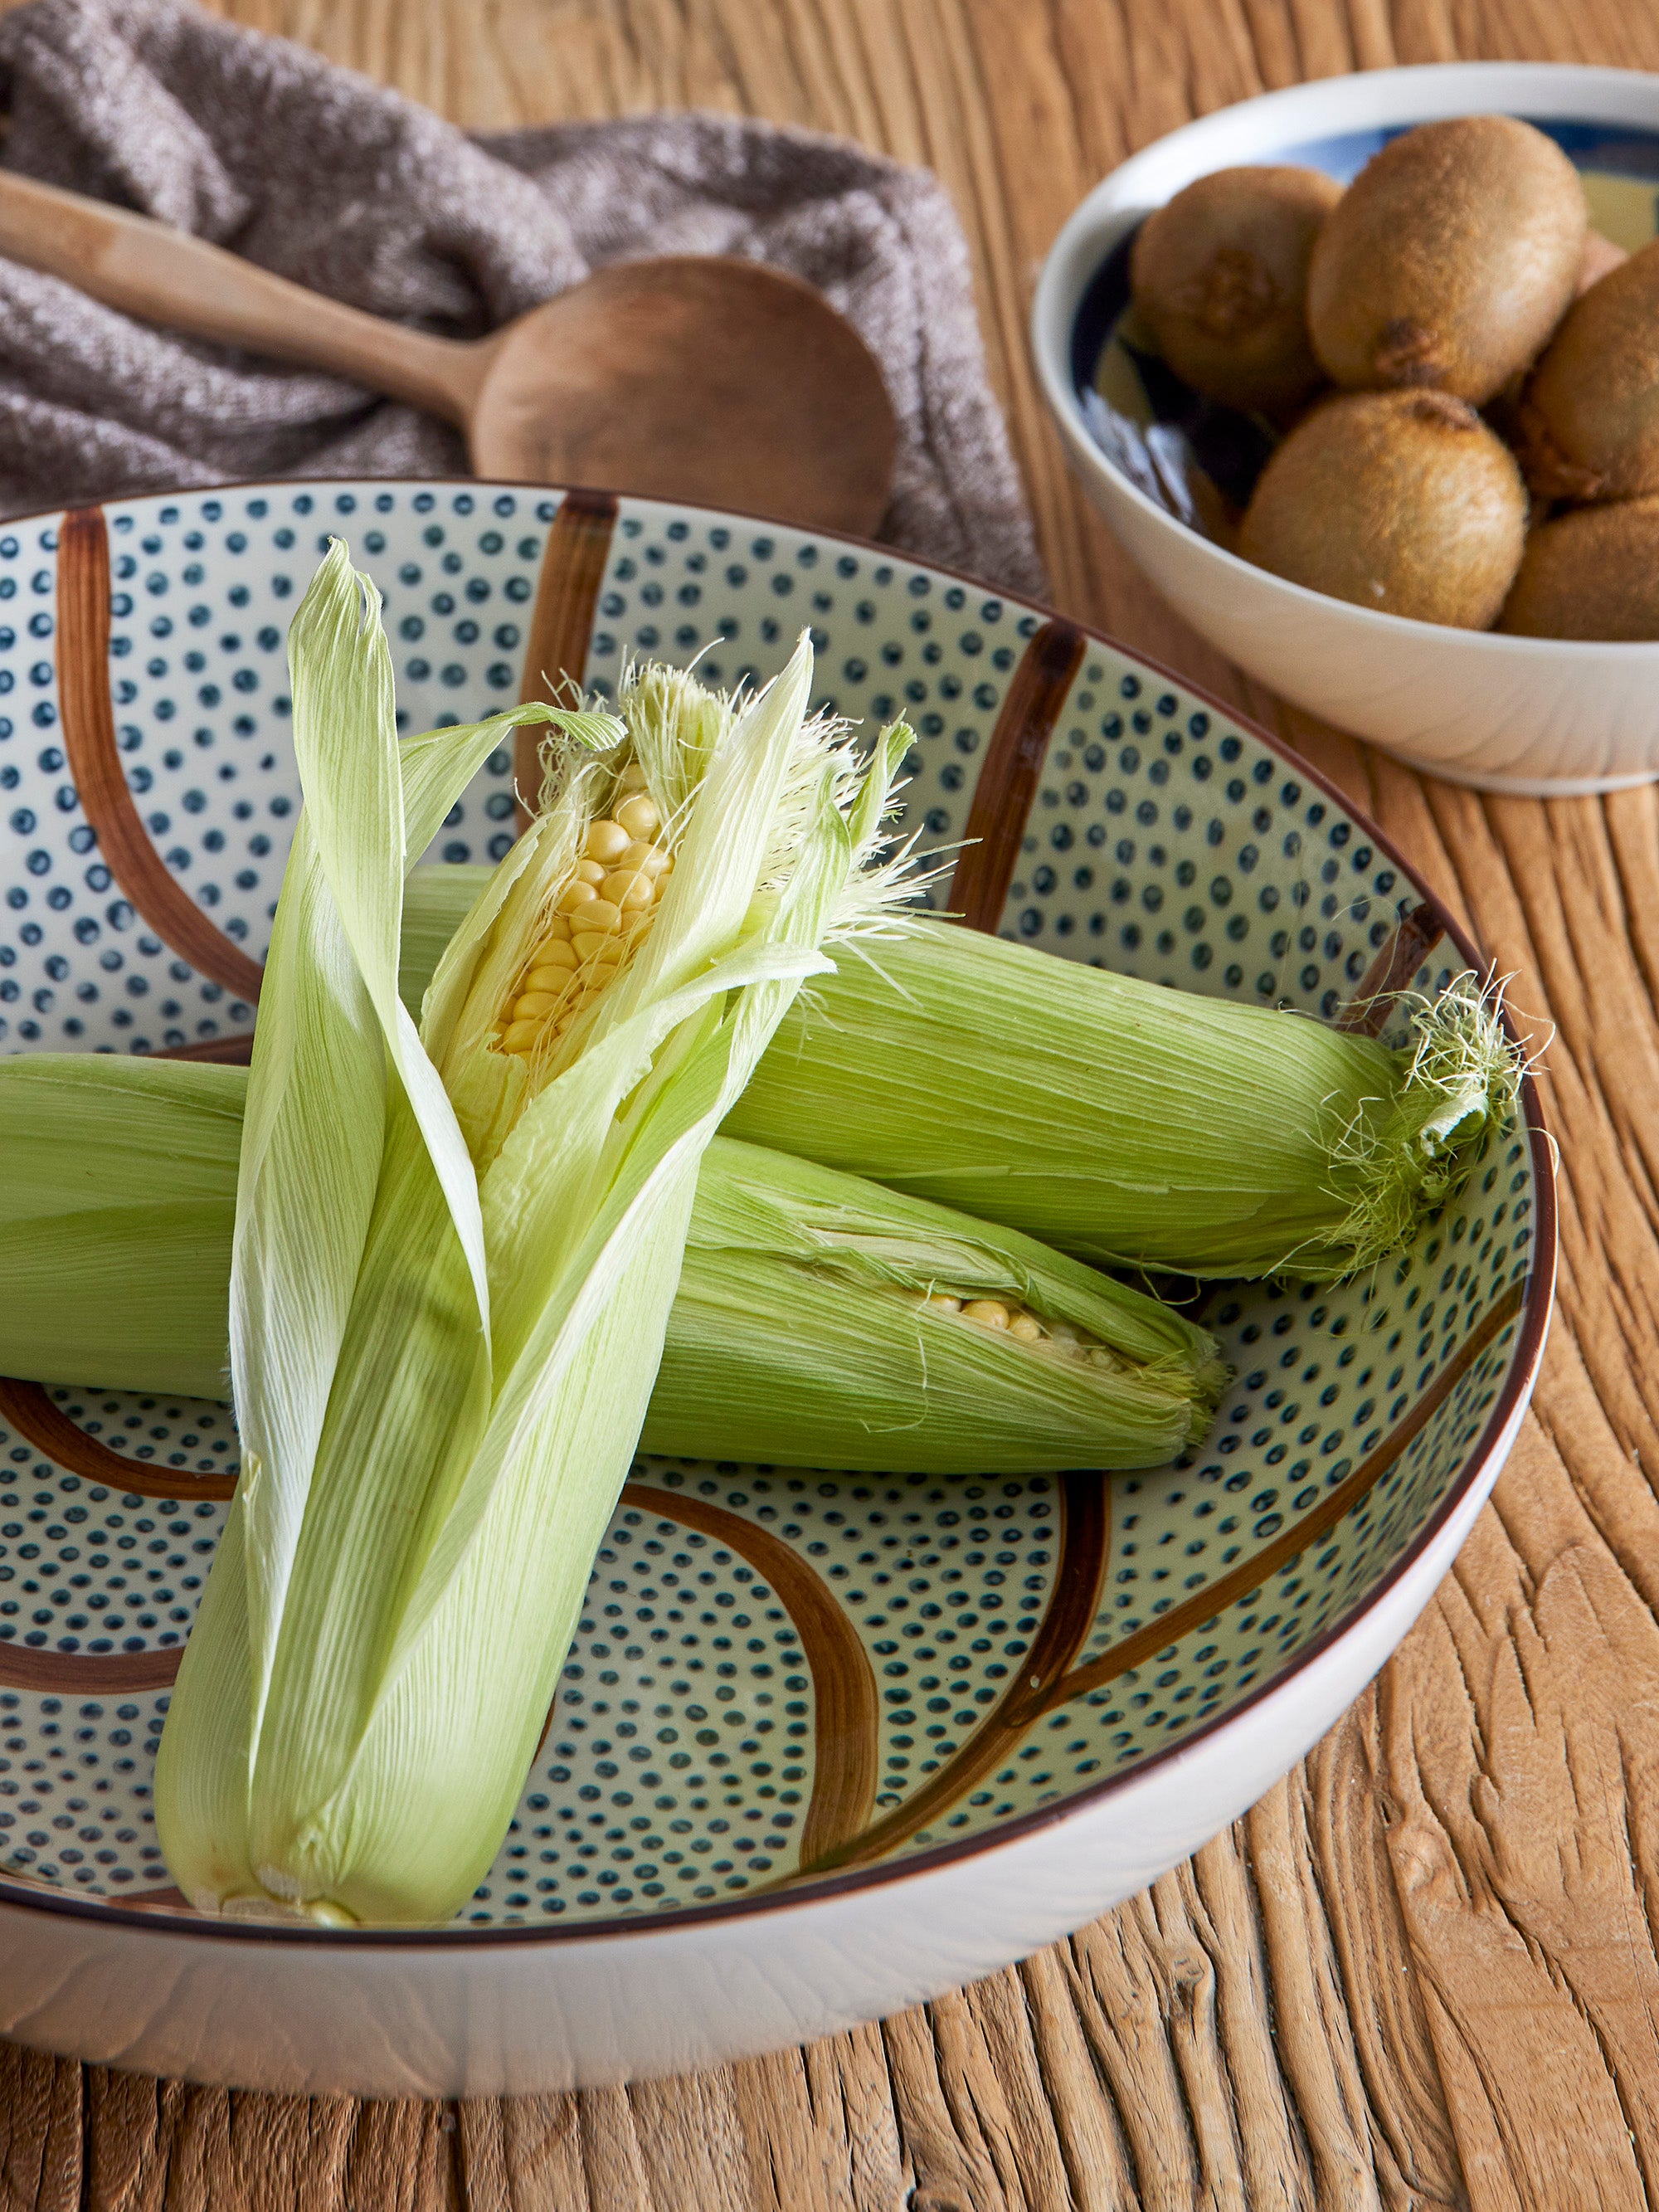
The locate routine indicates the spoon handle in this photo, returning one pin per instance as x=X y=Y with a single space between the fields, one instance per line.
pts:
x=167 y=276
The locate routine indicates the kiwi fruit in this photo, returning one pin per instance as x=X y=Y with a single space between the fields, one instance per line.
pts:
x=1450 y=259
x=1589 y=421
x=1220 y=277
x=1400 y=501
x=1590 y=574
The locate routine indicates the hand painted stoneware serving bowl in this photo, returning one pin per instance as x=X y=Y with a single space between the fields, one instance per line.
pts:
x=1509 y=714
x=826 y=1744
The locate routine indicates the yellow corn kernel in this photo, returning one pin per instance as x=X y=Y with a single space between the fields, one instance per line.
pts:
x=1027 y=1327
x=605 y=950
x=589 y=871
x=601 y=913
x=632 y=778
x=575 y=895
x=639 y=816
x=642 y=854
x=557 y=930
x=521 y=1036
x=555 y=960
x=942 y=1302
x=606 y=843
x=628 y=888
x=533 y=1006
x=989 y=1313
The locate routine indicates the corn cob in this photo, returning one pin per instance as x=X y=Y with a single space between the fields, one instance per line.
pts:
x=819 y=1321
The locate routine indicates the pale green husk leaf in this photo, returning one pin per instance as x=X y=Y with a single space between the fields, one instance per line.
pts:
x=444 y=1331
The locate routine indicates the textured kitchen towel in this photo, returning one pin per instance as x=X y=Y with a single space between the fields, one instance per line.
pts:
x=331 y=180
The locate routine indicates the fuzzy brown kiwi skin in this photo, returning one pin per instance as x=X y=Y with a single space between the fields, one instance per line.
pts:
x=1450 y=259
x=1590 y=574
x=1402 y=502
x=1589 y=421
x=1220 y=276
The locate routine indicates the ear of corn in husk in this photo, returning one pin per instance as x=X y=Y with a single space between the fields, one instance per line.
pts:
x=824 y=1321
x=820 y=1320
x=455 y=1256
x=1127 y=1123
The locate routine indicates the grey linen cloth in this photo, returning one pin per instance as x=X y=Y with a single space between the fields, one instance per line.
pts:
x=331 y=180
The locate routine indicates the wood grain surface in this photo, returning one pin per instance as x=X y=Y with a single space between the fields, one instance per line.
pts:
x=1422 y=1973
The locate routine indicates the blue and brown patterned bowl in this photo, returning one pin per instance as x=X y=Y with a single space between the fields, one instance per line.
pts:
x=826 y=1743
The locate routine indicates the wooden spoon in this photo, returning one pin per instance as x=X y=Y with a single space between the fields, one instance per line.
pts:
x=689 y=377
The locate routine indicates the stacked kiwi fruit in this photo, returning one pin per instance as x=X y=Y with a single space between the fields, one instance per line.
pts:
x=1465 y=375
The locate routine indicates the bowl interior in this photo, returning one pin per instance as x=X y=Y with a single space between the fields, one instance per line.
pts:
x=1199 y=459
x=994 y=1648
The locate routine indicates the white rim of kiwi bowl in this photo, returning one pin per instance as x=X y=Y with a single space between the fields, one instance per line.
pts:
x=1265 y=129
x=1473 y=1479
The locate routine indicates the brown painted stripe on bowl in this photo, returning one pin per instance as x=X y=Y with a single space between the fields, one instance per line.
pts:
x=30 y=1411
x=84 y=699
x=88 y=1673
x=1170 y=1627
x=1080 y=1570
x=1008 y=781
x=846 y=1733
x=1399 y=960
x=572 y=568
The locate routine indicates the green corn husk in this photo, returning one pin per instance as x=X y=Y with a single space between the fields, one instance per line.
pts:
x=453 y=1260
x=1128 y=1124
x=799 y=1334
x=817 y=1291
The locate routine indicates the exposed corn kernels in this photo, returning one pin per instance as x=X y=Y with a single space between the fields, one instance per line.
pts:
x=590 y=872
x=557 y=931
x=553 y=959
x=989 y=1313
x=632 y=778
x=942 y=1302
x=1027 y=1327
x=606 y=841
x=629 y=888
x=639 y=855
x=639 y=816
x=603 y=913
x=605 y=950
x=533 y=1006
x=521 y=1036
x=575 y=895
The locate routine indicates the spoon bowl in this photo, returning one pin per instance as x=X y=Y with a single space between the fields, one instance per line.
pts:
x=692 y=378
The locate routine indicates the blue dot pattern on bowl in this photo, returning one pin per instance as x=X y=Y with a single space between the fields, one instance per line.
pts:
x=682 y=1765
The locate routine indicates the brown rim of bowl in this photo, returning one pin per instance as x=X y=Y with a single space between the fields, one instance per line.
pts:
x=1534 y=1321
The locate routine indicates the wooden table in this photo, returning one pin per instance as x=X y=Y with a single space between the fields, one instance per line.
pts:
x=1422 y=1971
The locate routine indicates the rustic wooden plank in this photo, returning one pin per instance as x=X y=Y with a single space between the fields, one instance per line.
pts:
x=41 y=2123
x=1422 y=1971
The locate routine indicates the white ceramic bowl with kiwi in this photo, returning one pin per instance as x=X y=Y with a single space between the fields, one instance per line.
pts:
x=1533 y=526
